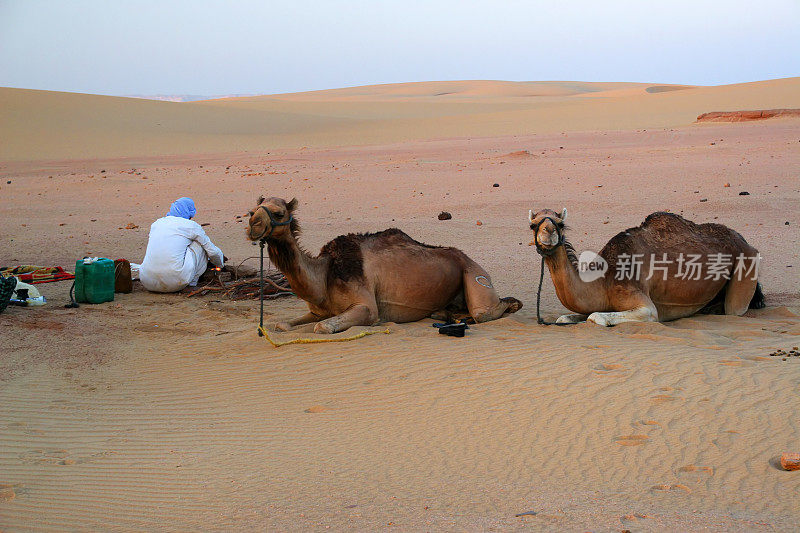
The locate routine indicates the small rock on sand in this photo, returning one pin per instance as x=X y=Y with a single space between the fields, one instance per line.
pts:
x=496 y=185
x=744 y=193
x=444 y=215
x=479 y=223
x=790 y=461
x=727 y=184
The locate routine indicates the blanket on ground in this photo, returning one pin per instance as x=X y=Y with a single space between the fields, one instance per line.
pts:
x=36 y=274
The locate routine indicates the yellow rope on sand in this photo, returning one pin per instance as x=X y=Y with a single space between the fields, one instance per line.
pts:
x=314 y=341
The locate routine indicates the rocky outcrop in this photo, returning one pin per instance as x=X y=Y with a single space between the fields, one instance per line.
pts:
x=744 y=116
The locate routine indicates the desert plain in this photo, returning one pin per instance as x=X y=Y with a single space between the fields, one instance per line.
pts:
x=160 y=411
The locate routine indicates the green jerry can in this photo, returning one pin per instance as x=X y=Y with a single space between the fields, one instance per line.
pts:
x=94 y=280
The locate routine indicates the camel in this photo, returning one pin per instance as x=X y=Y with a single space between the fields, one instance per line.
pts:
x=362 y=279
x=666 y=286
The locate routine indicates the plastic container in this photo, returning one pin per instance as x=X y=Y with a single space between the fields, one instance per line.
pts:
x=94 y=280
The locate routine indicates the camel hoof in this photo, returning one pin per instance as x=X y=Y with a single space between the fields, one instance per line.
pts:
x=514 y=305
x=282 y=326
x=598 y=319
x=322 y=327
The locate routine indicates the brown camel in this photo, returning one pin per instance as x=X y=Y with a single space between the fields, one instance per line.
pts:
x=361 y=279
x=652 y=270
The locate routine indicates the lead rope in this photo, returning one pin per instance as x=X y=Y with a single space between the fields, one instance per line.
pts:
x=261 y=289
x=539 y=318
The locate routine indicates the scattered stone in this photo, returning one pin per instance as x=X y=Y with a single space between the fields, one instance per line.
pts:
x=712 y=144
x=102 y=171
x=8 y=182
x=479 y=223
x=790 y=461
x=786 y=223
x=727 y=184
x=496 y=185
x=744 y=193
x=444 y=215
x=703 y=199
x=131 y=225
x=205 y=224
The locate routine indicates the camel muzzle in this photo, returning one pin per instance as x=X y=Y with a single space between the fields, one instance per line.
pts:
x=540 y=246
x=272 y=225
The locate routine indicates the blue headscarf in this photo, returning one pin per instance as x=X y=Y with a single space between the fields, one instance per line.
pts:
x=182 y=207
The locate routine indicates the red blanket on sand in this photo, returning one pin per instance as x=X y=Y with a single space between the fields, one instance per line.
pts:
x=36 y=274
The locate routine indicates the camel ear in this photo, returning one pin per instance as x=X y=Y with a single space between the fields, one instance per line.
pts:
x=564 y=215
x=260 y=200
x=530 y=215
x=291 y=206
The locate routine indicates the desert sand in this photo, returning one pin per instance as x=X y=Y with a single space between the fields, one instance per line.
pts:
x=162 y=411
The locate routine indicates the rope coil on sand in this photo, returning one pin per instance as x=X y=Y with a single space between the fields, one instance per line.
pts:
x=277 y=344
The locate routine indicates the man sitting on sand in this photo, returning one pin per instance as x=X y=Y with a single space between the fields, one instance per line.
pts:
x=178 y=251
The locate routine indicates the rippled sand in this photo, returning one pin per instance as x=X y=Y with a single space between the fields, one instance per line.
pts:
x=159 y=411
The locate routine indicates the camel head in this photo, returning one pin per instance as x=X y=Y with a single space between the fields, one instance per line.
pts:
x=548 y=229
x=271 y=218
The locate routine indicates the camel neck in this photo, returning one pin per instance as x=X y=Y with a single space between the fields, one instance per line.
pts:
x=575 y=294
x=304 y=272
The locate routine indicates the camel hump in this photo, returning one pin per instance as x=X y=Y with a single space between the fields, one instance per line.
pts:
x=663 y=219
x=346 y=252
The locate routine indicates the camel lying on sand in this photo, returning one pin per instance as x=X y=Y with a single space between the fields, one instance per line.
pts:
x=362 y=279
x=665 y=269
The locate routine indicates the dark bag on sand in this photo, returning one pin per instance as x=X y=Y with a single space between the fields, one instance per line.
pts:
x=6 y=290
x=122 y=276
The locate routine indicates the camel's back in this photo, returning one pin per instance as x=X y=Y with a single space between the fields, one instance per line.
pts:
x=349 y=253
x=672 y=234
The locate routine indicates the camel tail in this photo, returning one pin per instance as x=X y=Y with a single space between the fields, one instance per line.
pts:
x=758 y=301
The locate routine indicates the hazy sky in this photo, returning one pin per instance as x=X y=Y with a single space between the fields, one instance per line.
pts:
x=197 y=47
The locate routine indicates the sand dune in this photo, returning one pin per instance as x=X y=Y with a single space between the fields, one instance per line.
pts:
x=162 y=411
x=38 y=125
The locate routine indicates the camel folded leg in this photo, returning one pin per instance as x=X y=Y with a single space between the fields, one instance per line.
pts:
x=738 y=294
x=356 y=315
x=572 y=318
x=481 y=298
x=307 y=318
x=642 y=310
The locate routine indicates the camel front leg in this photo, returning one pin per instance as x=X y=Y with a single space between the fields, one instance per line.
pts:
x=573 y=318
x=299 y=321
x=643 y=313
x=357 y=315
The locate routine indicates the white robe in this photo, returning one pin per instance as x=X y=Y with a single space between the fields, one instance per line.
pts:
x=177 y=254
